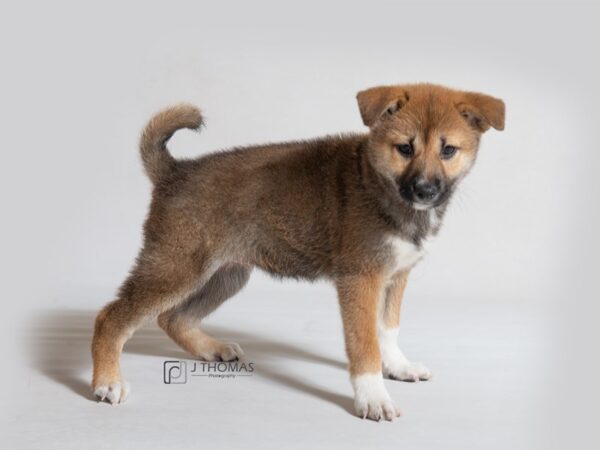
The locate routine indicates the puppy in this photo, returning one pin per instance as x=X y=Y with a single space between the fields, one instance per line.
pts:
x=357 y=209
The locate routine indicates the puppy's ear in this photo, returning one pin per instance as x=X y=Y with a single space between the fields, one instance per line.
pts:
x=375 y=102
x=481 y=111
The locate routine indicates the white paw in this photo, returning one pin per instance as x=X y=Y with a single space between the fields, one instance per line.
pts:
x=113 y=393
x=231 y=351
x=395 y=365
x=405 y=370
x=371 y=399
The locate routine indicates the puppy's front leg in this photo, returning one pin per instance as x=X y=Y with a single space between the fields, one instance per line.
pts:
x=395 y=365
x=359 y=297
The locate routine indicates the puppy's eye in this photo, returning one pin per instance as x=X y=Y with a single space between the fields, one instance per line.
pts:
x=448 y=151
x=405 y=150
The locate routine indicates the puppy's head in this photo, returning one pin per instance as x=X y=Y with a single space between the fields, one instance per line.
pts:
x=424 y=138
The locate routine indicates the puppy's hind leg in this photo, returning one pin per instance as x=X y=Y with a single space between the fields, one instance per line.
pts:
x=182 y=322
x=157 y=283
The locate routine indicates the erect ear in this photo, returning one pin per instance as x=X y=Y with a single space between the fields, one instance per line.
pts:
x=481 y=111
x=377 y=101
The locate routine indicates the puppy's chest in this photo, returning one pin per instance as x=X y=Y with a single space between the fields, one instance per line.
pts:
x=403 y=250
x=402 y=254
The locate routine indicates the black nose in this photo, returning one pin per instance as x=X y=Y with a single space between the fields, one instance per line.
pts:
x=424 y=190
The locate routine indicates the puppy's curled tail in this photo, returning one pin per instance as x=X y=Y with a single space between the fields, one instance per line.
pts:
x=157 y=160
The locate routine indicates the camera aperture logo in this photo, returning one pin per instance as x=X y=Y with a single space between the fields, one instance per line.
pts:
x=179 y=372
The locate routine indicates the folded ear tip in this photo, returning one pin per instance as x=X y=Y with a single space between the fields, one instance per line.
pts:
x=502 y=113
x=365 y=92
x=501 y=106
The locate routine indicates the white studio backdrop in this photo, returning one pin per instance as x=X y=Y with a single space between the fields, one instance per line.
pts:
x=80 y=81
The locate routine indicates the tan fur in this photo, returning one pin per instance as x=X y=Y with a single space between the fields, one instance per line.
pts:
x=393 y=299
x=359 y=296
x=324 y=208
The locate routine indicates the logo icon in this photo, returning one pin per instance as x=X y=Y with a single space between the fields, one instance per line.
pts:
x=175 y=372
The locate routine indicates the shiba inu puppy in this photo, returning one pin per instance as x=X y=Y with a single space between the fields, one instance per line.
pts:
x=357 y=209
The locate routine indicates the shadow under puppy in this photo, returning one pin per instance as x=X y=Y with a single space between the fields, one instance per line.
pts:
x=357 y=209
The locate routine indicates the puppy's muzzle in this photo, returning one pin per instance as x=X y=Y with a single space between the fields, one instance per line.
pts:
x=421 y=192
x=425 y=191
